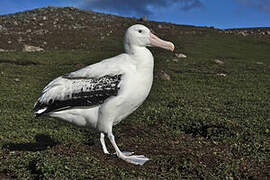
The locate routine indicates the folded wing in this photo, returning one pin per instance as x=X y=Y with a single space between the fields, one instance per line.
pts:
x=68 y=91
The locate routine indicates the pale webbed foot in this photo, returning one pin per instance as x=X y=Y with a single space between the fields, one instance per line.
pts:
x=134 y=159
x=127 y=156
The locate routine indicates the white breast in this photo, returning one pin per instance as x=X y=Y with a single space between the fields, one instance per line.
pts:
x=133 y=95
x=135 y=87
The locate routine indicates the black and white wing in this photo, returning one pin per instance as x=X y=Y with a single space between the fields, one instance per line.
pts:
x=89 y=86
x=67 y=92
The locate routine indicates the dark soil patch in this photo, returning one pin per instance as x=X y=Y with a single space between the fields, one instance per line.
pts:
x=19 y=62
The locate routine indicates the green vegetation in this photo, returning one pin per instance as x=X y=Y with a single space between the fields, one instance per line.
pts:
x=209 y=121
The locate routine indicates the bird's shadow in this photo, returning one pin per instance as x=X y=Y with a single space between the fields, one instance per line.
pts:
x=42 y=143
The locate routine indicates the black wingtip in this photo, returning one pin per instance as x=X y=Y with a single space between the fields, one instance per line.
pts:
x=37 y=107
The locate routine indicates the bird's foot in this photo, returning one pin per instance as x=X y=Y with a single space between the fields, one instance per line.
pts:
x=134 y=159
x=125 y=153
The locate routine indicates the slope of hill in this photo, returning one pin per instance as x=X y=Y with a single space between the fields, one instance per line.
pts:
x=207 y=116
x=71 y=28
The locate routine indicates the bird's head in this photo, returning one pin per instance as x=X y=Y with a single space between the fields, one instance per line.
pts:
x=140 y=36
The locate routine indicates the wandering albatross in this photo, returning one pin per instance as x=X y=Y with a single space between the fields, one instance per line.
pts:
x=101 y=95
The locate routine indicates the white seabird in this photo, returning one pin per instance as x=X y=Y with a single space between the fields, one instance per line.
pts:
x=101 y=95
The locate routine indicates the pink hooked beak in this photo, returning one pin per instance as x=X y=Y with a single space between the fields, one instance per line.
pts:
x=157 y=42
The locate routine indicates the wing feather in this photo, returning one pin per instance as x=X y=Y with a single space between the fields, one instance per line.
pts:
x=67 y=92
x=89 y=86
x=111 y=66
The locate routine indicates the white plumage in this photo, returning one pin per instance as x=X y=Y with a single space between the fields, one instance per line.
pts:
x=101 y=95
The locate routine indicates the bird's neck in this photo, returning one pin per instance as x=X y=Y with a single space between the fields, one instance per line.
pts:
x=142 y=56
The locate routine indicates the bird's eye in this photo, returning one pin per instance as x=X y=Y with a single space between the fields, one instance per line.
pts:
x=140 y=31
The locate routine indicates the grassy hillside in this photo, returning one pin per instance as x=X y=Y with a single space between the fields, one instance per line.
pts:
x=211 y=120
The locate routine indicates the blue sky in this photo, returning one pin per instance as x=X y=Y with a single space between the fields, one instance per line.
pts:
x=218 y=13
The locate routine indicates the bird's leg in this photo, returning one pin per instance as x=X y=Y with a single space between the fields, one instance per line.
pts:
x=104 y=148
x=134 y=159
x=103 y=144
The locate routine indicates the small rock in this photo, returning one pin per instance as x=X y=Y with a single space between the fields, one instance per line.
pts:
x=180 y=55
x=9 y=42
x=20 y=39
x=218 y=61
x=28 y=48
x=44 y=18
x=267 y=32
x=17 y=80
x=175 y=60
x=143 y=18
x=222 y=74
x=259 y=63
x=41 y=31
x=164 y=76
x=243 y=33
x=3 y=50
x=160 y=26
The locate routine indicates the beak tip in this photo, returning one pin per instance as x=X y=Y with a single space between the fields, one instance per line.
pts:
x=157 y=42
